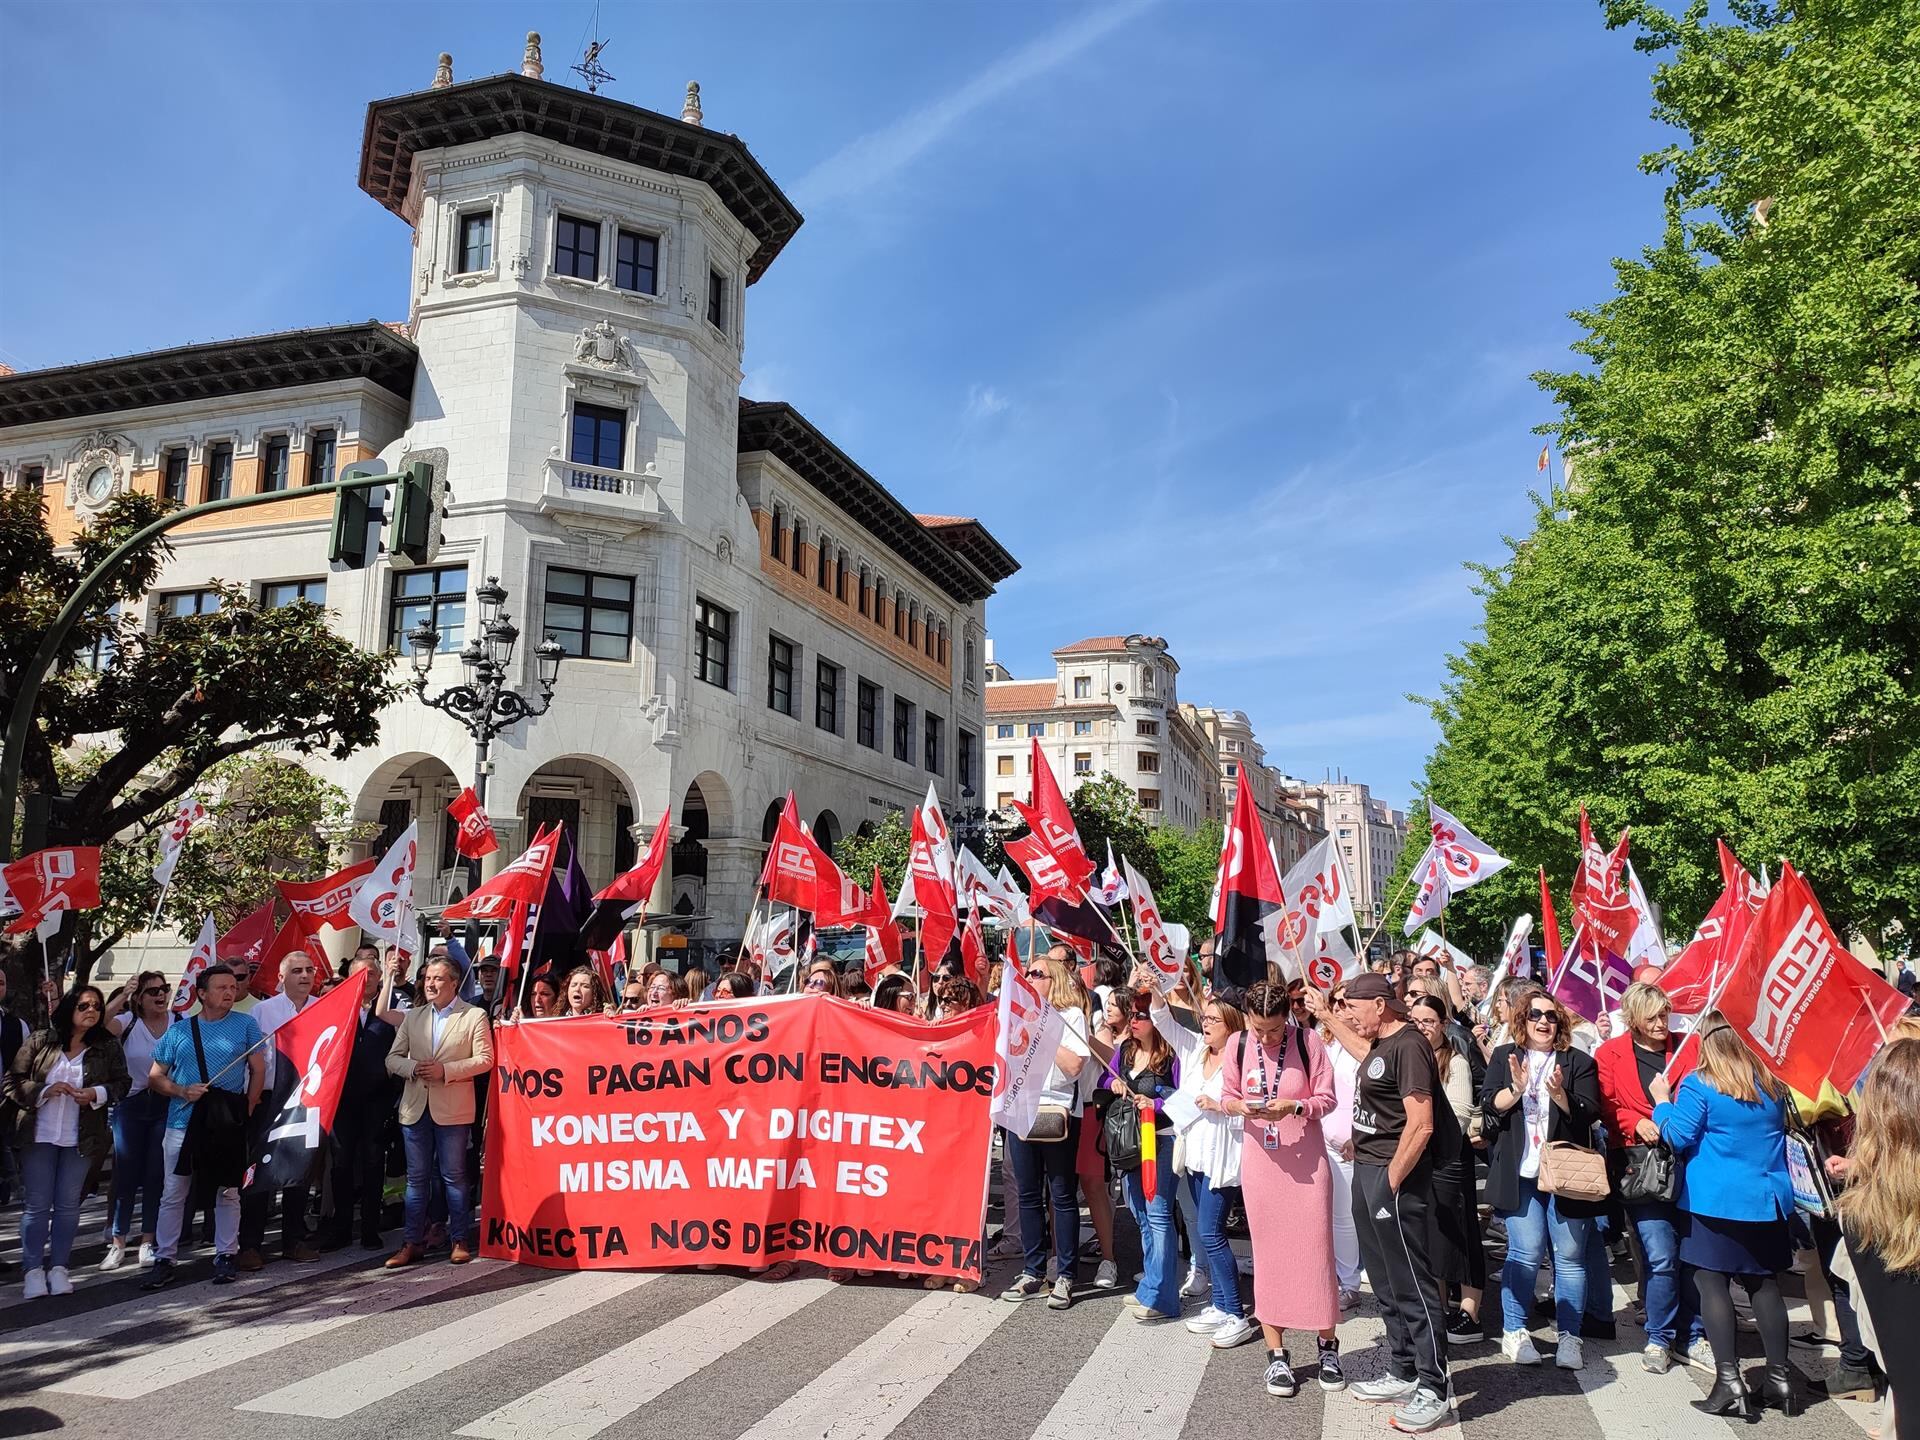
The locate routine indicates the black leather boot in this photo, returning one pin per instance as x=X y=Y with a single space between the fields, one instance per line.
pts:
x=1780 y=1393
x=1728 y=1396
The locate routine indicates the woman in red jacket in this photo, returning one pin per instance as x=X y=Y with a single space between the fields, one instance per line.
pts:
x=1627 y=1063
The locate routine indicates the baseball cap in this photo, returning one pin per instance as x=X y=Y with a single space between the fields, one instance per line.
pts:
x=1376 y=987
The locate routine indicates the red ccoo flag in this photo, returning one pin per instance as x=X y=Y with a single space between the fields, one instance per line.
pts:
x=1600 y=902
x=64 y=877
x=1549 y=928
x=325 y=903
x=1052 y=824
x=475 y=836
x=883 y=936
x=1802 y=1003
x=315 y=1047
x=524 y=882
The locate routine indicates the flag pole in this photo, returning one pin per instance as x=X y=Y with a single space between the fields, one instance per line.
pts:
x=1384 y=915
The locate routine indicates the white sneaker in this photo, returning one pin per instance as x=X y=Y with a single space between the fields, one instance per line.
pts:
x=1517 y=1346
x=1700 y=1355
x=1567 y=1354
x=1244 y=1263
x=1106 y=1276
x=1208 y=1320
x=1348 y=1298
x=1237 y=1331
x=147 y=1255
x=33 y=1285
x=1196 y=1284
x=115 y=1257
x=59 y=1282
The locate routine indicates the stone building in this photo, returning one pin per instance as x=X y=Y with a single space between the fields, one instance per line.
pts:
x=1292 y=825
x=745 y=610
x=1112 y=707
x=1370 y=834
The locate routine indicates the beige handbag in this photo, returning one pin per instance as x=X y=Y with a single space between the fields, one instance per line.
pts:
x=1573 y=1172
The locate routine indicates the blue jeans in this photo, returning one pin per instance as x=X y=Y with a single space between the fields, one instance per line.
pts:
x=1159 y=1287
x=437 y=1151
x=1599 y=1269
x=1673 y=1311
x=52 y=1176
x=139 y=1134
x=1529 y=1229
x=1045 y=1176
x=1223 y=1268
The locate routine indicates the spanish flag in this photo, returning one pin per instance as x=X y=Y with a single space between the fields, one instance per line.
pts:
x=1541 y=464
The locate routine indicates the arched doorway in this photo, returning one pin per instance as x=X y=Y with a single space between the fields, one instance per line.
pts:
x=770 y=821
x=592 y=802
x=411 y=789
x=826 y=830
x=690 y=852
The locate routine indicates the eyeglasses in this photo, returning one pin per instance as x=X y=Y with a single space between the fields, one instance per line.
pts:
x=1042 y=974
x=87 y=1005
x=1536 y=1016
x=633 y=1002
x=155 y=990
x=1211 y=1020
x=816 y=982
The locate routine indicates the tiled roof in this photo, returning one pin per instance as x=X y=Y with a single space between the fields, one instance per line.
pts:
x=1007 y=697
x=944 y=519
x=1095 y=644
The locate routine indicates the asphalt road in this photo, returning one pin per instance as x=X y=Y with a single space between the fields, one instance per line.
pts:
x=345 y=1349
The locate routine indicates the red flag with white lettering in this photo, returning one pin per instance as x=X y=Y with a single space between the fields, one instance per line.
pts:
x=883 y=936
x=1249 y=905
x=1805 y=1006
x=315 y=1048
x=524 y=882
x=325 y=903
x=62 y=877
x=198 y=959
x=1049 y=818
x=1600 y=901
x=475 y=836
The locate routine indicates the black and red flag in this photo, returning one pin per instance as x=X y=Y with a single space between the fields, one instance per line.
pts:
x=625 y=900
x=1249 y=906
x=315 y=1047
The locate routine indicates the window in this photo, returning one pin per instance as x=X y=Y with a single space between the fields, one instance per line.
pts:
x=840 y=576
x=1003 y=801
x=777 y=532
x=178 y=604
x=1148 y=762
x=865 y=585
x=780 y=694
x=321 y=453
x=286 y=592
x=32 y=477
x=1149 y=799
x=1003 y=765
x=1146 y=679
x=869 y=717
x=1083 y=762
x=880 y=603
x=1083 y=727
x=439 y=596
x=636 y=262
x=1233 y=768
x=599 y=436
x=799 y=540
x=1003 y=732
x=826 y=697
x=712 y=643
x=902 y=730
x=963 y=758
x=1083 y=687
x=899 y=617
x=1147 y=729
x=1037 y=730
x=913 y=622
x=273 y=464
x=98 y=655
x=476 y=242
x=219 y=472
x=590 y=615
x=971 y=654
x=822 y=571
x=936 y=752
x=173 y=484
x=576 y=248
x=716 y=300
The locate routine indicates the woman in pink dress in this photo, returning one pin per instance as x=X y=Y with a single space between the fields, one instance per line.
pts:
x=1278 y=1076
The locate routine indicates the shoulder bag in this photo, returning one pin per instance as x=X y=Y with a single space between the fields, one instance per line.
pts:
x=1573 y=1172
x=1645 y=1174
x=1049 y=1125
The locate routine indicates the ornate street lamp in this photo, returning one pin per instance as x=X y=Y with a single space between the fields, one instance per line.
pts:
x=482 y=703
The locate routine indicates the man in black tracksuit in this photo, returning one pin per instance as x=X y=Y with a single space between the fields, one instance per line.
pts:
x=1397 y=1108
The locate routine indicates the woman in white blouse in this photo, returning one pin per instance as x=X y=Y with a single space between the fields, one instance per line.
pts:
x=137 y=1016
x=62 y=1081
x=1210 y=1145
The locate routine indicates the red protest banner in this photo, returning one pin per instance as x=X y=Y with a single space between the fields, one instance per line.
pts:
x=741 y=1133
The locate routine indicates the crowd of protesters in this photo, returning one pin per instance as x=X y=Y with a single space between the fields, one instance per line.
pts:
x=1405 y=1128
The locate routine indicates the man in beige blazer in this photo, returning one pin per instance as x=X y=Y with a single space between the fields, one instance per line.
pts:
x=438 y=1049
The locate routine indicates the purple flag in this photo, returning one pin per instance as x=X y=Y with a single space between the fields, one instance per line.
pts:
x=568 y=902
x=1591 y=979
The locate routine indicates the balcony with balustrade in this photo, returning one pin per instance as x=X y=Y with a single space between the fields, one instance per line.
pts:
x=631 y=495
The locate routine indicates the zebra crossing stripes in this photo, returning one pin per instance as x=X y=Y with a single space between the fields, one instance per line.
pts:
x=586 y=1400
x=880 y=1381
x=1151 y=1364
x=369 y=1379
x=200 y=1355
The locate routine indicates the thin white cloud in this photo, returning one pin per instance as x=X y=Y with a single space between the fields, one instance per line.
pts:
x=881 y=153
x=984 y=402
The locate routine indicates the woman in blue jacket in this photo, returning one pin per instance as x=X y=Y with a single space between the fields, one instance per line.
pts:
x=1729 y=1124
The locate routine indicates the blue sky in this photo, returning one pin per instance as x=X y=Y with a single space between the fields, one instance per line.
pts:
x=1219 y=315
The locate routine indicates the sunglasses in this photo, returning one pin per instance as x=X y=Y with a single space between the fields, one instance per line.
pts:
x=816 y=982
x=1039 y=974
x=87 y=1005
x=633 y=1002
x=1536 y=1016
x=155 y=990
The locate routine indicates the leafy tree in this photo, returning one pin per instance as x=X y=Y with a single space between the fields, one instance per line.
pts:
x=1713 y=629
x=178 y=700
x=1189 y=862
x=1107 y=811
x=886 y=846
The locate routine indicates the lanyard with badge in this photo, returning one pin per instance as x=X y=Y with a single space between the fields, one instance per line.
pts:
x=1270 y=1130
x=1534 y=1097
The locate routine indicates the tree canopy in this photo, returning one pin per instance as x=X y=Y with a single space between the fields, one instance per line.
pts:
x=1713 y=628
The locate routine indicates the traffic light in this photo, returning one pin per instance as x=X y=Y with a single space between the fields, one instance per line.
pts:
x=419 y=510
x=353 y=518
